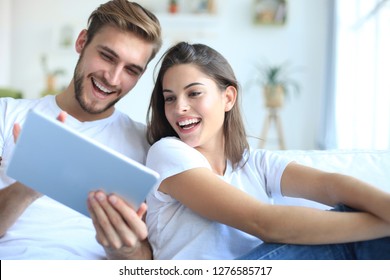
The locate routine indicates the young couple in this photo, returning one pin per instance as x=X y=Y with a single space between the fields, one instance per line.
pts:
x=213 y=199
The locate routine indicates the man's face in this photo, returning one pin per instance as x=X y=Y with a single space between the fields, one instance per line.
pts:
x=108 y=68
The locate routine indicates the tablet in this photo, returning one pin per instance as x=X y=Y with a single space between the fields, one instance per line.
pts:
x=61 y=163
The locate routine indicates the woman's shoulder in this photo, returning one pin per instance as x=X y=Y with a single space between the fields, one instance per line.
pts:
x=172 y=153
x=168 y=141
x=169 y=146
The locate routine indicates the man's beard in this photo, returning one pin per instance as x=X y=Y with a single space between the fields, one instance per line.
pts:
x=78 y=89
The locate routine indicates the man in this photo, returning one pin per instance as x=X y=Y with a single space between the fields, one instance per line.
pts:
x=121 y=39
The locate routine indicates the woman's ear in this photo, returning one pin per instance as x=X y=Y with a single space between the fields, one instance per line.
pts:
x=230 y=97
x=81 y=40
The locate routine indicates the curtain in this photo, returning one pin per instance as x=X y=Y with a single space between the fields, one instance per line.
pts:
x=358 y=106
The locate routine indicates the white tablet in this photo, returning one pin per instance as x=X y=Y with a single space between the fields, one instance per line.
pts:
x=61 y=163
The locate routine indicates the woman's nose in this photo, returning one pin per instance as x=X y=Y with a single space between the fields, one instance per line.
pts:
x=182 y=105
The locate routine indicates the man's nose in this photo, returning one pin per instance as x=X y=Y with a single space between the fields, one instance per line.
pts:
x=113 y=75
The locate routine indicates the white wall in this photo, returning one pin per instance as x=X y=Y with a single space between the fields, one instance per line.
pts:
x=35 y=29
x=5 y=38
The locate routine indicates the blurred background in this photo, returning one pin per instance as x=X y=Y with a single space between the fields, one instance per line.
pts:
x=333 y=57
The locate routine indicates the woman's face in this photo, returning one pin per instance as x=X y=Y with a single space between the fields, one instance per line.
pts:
x=194 y=106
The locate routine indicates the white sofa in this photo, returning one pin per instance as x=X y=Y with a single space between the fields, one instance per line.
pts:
x=368 y=165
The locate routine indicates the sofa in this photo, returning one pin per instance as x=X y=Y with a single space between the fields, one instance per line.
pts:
x=9 y=92
x=371 y=166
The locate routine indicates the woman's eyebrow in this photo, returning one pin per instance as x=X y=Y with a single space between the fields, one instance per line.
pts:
x=193 y=84
x=166 y=90
x=186 y=87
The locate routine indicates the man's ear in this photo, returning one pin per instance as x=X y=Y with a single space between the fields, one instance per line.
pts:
x=231 y=97
x=81 y=41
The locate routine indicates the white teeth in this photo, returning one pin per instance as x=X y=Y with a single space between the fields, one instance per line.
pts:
x=187 y=122
x=99 y=86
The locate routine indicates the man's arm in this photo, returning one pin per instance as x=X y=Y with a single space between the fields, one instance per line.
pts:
x=14 y=199
x=141 y=252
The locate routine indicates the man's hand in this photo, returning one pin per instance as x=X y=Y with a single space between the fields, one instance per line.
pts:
x=17 y=129
x=119 y=228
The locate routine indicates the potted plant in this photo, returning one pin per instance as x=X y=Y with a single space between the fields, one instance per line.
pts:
x=276 y=83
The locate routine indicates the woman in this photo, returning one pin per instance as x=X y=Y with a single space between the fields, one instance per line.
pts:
x=214 y=197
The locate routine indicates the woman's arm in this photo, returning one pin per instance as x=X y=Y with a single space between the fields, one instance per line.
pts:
x=208 y=195
x=332 y=188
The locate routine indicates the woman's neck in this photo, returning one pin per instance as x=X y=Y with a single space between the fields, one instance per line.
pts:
x=215 y=155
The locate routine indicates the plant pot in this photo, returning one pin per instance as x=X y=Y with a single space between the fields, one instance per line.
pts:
x=274 y=96
x=173 y=7
x=50 y=83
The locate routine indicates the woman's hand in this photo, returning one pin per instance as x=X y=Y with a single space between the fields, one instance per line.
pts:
x=119 y=228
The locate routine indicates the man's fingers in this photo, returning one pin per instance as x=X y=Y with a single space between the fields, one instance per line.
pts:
x=16 y=131
x=132 y=218
x=116 y=222
x=100 y=235
x=62 y=116
x=106 y=233
x=142 y=210
x=119 y=217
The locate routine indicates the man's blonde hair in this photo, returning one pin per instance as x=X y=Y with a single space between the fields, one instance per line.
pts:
x=126 y=16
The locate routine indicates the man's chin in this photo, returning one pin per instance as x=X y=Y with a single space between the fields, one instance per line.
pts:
x=96 y=110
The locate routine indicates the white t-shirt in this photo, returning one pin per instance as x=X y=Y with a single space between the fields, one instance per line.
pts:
x=176 y=232
x=48 y=229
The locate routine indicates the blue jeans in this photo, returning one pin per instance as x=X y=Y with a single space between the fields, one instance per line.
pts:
x=377 y=249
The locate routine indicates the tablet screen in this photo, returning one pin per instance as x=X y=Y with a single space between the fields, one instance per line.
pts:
x=61 y=163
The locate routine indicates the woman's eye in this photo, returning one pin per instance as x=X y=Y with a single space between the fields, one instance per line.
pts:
x=168 y=99
x=195 y=93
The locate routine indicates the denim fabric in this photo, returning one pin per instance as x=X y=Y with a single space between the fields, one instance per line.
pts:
x=377 y=249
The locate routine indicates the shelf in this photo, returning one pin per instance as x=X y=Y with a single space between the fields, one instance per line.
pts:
x=185 y=20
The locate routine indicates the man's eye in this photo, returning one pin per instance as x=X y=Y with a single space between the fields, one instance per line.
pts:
x=133 y=72
x=106 y=57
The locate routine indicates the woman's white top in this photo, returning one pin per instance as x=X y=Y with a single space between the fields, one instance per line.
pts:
x=176 y=232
